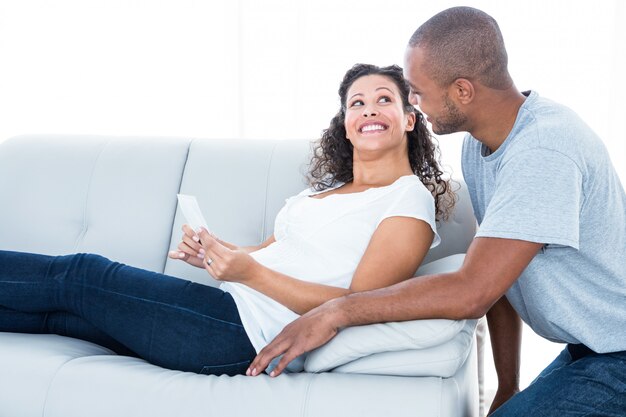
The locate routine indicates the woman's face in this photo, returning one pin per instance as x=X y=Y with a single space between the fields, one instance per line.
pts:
x=375 y=117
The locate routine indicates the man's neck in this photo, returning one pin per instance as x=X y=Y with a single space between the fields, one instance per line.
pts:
x=496 y=116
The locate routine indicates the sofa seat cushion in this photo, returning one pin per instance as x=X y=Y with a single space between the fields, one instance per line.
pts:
x=411 y=348
x=123 y=387
x=29 y=364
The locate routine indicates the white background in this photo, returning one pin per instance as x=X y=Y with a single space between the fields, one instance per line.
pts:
x=271 y=69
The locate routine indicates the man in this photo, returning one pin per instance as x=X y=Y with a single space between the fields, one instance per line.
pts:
x=551 y=246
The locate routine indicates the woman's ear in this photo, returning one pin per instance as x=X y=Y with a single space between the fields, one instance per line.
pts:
x=410 y=125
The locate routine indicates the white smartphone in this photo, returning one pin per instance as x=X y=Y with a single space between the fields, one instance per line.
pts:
x=191 y=211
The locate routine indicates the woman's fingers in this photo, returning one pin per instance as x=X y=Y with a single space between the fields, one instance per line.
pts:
x=187 y=230
x=174 y=254
x=191 y=234
x=208 y=254
x=194 y=246
x=223 y=263
x=211 y=243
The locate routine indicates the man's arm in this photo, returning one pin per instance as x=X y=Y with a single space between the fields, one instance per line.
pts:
x=505 y=329
x=491 y=266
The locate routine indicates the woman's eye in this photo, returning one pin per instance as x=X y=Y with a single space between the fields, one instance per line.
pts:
x=384 y=99
x=356 y=103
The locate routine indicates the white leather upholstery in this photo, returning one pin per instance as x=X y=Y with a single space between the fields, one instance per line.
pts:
x=111 y=196
x=29 y=365
x=59 y=377
x=117 y=197
x=240 y=186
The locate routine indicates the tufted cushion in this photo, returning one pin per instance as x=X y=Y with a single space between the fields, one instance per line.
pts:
x=421 y=347
x=112 y=196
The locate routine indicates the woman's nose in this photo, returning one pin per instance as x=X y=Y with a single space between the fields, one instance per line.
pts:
x=368 y=112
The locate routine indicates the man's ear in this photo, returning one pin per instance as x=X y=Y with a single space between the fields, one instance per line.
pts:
x=463 y=90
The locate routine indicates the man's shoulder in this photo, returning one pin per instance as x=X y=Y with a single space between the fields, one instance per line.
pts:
x=552 y=124
x=547 y=126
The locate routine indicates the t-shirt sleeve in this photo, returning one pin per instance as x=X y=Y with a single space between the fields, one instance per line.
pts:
x=537 y=198
x=413 y=200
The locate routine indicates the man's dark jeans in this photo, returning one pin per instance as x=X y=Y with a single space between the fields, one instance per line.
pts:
x=578 y=383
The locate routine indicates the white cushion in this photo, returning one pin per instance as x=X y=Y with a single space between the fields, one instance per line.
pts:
x=442 y=360
x=423 y=347
x=28 y=365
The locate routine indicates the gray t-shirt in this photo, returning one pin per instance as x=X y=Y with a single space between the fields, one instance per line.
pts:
x=552 y=182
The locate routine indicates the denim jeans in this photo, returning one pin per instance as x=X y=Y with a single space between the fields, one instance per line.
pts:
x=170 y=322
x=578 y=383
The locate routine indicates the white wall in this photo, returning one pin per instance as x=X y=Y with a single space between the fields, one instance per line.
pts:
x=270 y=69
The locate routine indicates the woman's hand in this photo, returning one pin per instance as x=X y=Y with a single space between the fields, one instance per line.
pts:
x=189 y=249
x=227 y=264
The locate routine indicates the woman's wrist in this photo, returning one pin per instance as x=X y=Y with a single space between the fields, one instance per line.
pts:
x=256 y=274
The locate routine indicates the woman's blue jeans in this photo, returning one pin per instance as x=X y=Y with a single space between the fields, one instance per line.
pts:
x=170 y=322
x=578 y=383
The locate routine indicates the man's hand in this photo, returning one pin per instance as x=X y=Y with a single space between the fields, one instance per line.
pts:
x=308 y=332
x=502 y=396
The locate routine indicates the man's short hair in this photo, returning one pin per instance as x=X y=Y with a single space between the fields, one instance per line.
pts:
x=463 y=42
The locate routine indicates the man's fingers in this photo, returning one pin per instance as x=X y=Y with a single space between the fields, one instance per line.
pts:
x=288 y=356
x=265 y=356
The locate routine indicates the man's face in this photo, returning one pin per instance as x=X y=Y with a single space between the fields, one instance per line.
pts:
x=431 y=99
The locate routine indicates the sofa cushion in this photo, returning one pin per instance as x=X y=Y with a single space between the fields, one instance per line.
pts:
x=442 y=360
x=111 y=196
x=421 y=347
x=29 y=363
x=240 y=186
x=129 y=387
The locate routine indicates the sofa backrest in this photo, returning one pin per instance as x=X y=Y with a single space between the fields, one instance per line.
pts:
x=117 y=196
x=112 y=196
x=240 y=186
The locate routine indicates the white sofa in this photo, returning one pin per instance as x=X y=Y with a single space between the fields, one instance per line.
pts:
x=117 y=197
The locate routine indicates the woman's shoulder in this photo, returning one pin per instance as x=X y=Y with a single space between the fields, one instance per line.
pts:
x=410 y=185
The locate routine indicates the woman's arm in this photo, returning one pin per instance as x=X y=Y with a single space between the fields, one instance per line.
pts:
x=394 y=253
x=190 y=249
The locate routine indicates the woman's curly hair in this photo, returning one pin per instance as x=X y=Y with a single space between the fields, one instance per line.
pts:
x=332 y=155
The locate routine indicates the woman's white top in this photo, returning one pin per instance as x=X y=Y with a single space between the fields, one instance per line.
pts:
x=322 y=241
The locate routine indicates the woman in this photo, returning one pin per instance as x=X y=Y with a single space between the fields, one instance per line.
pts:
x=367 y=222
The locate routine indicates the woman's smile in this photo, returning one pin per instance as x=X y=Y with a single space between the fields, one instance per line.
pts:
x=373 y=127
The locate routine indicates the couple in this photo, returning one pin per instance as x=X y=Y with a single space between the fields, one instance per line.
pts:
x=376 y=191
x=551 y=247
